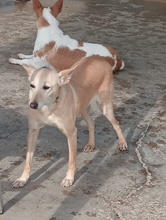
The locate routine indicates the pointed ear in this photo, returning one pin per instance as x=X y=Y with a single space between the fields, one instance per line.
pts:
x=36 y=6
x=65 y=75
x=30 y=70
x=57 y=8
x=64 y=78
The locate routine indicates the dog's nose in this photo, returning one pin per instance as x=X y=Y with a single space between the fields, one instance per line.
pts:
x=34 y=105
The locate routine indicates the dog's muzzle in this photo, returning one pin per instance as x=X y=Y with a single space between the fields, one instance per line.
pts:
x=34 y=105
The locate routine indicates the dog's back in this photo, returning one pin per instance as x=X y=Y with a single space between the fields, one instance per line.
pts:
x=93 y=76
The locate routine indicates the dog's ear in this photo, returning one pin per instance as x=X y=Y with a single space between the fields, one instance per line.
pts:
x=65 y=75
x=37 y=6
x=57 y=8
x=29 y=70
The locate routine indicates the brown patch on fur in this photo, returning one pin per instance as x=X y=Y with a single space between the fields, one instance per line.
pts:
x=45 y=50
x=42 y=23
x=80 y=43
x=63 y=58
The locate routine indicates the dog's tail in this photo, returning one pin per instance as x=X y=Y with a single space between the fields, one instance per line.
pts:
x=122 y=66
x=119 y=63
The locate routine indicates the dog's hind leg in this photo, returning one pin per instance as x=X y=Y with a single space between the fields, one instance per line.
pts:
x=91 y=127
x=32 y=141
x=107 y=105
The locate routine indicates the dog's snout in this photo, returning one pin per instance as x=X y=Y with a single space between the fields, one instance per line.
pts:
x=34 y=105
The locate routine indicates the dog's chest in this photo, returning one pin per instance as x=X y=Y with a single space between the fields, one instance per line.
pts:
x=50 y=119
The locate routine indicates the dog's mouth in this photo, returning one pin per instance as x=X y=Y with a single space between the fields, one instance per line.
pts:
x=34 y=105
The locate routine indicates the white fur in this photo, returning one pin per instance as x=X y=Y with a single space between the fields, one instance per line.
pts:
x=95 y=49
x=123 y=65
x=114 y=66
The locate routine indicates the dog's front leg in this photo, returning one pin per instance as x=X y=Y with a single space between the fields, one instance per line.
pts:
x=26 y=61
x=72 y=144
x=32 y=141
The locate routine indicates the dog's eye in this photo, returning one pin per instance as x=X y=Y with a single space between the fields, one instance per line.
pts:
x=32 y=86
x=46 y=87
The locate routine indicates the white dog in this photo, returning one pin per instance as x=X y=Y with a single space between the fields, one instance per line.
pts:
x=54 y=49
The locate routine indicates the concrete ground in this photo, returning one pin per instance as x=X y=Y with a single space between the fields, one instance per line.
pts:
x=109 y=184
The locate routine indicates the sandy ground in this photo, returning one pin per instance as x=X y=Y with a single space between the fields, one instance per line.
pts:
x=109 y=184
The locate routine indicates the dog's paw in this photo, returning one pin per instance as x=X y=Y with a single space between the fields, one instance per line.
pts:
x=18 y=183
x=12 y=60
x=89 y=148
x=123 y=146
x=21 y=56
x=67 y=182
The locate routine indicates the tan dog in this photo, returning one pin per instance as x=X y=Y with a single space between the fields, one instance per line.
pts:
x=57 y=99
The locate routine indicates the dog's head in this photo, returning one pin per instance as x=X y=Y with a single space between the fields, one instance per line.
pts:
x=45 y=15
x=45 y=85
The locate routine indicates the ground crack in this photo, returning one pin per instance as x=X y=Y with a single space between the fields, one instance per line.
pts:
x=139 y=145
x=148 y=120
x=148 y=181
